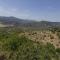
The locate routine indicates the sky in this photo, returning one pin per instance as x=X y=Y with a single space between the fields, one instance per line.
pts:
x=48 y=10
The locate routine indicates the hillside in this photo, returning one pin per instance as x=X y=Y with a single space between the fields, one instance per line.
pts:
x=15 y=44
x=13 y=21
x=29 y=40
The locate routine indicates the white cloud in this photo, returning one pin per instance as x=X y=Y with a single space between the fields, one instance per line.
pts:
x=14 y=12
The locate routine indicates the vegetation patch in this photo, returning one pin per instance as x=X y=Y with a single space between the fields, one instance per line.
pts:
x=22 y=48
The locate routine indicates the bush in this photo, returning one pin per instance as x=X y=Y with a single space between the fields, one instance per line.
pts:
x=16 y=48
x=51 y=37
x=58 y=50
x=58 y=34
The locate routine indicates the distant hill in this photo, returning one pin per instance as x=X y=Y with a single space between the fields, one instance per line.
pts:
x=13 y=21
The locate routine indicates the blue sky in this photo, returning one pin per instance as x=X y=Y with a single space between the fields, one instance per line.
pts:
x=31 y=9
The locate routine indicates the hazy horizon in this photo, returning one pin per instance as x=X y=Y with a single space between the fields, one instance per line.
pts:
x=38 y=10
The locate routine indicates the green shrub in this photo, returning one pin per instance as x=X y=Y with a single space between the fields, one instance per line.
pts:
x=58 y=50
x=22 y=48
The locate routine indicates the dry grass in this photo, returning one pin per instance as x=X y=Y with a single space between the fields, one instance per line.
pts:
x=1 y=25
x=43 y=36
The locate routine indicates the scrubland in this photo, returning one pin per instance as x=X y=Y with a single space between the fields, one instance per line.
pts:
x=21 y=44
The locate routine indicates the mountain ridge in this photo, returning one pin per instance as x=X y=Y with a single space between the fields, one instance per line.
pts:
x=13 y=21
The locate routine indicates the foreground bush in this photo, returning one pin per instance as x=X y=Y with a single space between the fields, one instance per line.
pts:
x=22 y=48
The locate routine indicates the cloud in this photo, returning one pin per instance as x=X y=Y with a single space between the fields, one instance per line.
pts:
x=14 y=12
x=27 y=14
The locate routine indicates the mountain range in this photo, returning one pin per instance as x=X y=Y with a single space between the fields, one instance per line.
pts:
x=13 y=21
